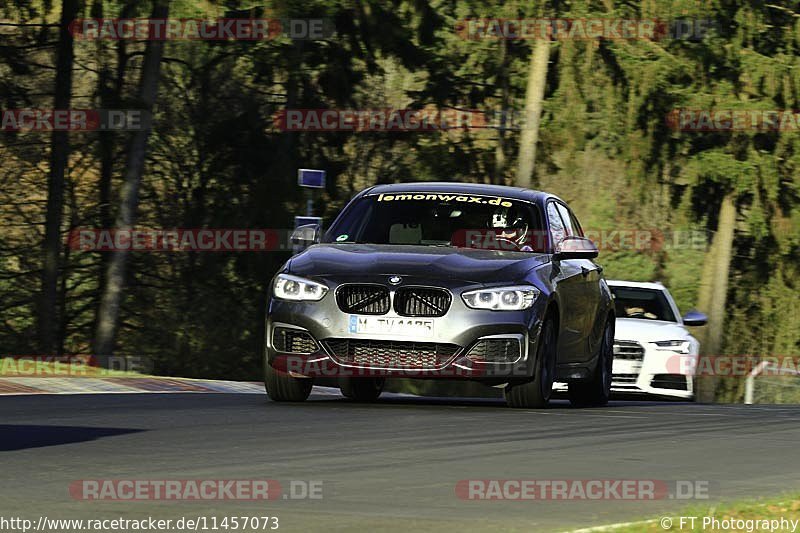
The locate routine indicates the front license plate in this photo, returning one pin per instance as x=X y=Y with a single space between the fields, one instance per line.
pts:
x=407 y=327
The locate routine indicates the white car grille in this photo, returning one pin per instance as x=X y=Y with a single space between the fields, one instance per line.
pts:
x=628 y=350
x=628 y=357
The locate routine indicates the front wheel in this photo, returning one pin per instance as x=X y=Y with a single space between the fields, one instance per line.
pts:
x=536 y=393
x=361 y=389
x=596 y=391
x=282 y=387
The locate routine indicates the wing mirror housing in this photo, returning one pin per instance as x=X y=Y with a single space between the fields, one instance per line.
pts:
x=575 y=247
x=695 y=318
x=306 y=235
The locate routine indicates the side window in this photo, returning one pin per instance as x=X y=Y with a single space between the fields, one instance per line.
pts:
x=557 y=230
x=576 y=224
x=570 y=225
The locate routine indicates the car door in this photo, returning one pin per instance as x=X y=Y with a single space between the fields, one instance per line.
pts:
x=567 y=282
x=590 y=294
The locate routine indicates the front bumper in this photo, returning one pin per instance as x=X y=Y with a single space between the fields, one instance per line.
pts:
x=453 y=336
x=640 y=368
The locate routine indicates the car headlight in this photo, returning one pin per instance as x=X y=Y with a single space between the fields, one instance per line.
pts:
x=288 y=287
x=501 y=298
x=680 y=346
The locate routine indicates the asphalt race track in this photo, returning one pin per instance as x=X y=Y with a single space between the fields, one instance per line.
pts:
x=392 y=465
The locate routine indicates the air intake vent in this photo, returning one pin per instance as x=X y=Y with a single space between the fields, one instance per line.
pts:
x=391 y=354
x=495 y=351
x=293 y=341
x=363 y=299
x=669 y=381
x=625 y=379
x=421 y=301
x=628 y=350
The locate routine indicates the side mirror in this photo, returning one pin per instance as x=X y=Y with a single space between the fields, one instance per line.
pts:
x=694 y=318
x=575 y=248
x=304 y=236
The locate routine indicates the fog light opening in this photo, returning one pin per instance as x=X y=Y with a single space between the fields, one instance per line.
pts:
x=496 y=350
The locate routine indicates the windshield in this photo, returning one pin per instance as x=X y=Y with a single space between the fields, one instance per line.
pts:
x=648 y=304
x=439 y=219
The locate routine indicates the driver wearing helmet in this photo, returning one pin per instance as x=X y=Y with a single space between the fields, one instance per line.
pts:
x=510 y=225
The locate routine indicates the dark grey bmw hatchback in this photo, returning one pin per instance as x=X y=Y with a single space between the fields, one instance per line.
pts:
x=443 y=281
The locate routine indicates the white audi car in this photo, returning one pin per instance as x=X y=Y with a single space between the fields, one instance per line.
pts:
x=654 y=353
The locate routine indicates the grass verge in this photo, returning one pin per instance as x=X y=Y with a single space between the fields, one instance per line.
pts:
x=748 y=516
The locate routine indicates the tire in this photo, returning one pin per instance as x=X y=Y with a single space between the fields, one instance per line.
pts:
x=362 y=389
x=281 y=387
x=596 y=391
x=535 y=394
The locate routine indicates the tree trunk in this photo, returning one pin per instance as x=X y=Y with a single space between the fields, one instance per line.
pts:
x=505 y=98
x=105 y=148
x=534 y=98
x=714 y=292
x=59 y=158
x=109 y=89
x=110 y=301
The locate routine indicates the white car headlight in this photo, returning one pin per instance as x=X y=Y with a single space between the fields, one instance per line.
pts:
x=288 y=287
x=680 y=346
x=501 y=298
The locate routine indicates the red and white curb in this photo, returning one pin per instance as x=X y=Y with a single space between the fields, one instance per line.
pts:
x=133 y=385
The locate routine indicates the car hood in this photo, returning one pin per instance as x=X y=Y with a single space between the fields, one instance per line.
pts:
x=430 y=262
x=638 y=329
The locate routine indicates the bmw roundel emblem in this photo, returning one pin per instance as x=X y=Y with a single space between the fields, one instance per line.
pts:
x=395 y=280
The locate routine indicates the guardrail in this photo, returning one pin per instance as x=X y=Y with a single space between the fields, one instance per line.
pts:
x=749 y=384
